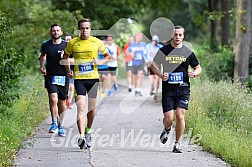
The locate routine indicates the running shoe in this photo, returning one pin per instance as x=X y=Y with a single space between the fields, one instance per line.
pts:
x=164 y=135
x=69 y=105
x=88 y=139
x=176 y=148
x=109 y=93
x=152 y=91
x=129 y=90
x=103 y=95
x=53 y=128
x=140 y=93
x=136 y=93
x=81 y=143
x=155 y=98
x=61 y=131
x=115 y=87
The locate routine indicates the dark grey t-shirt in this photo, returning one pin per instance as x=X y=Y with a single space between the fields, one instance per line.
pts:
x=176 y=60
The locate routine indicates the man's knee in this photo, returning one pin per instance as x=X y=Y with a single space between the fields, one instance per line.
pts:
x=168 y=116
x=53 y=98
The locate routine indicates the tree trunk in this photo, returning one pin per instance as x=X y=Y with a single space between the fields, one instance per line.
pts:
x=225 y=20
x=243 y=40
x=213 y=6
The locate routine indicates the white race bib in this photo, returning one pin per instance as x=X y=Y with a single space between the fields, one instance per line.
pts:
x=176 y=78
x=59 y=80
x=86 y=68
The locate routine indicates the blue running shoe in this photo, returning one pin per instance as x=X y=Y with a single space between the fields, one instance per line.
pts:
x=115 y=87
x=53 y=128
x=61 y=131
x=109 y=93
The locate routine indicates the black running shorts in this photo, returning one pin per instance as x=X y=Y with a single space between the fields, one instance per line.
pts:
x=174 y=96
x=86 y=86
x=52 y=88
x=112 y=70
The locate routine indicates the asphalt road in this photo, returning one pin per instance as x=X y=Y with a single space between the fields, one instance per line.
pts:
x=125 y=133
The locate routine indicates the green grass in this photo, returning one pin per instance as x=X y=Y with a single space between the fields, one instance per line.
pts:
x=19 y=121
x=220 y=112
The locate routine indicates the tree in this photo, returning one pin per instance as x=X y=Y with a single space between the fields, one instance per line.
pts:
x=225 y=22
x=10 y=64
x=243 y=40
x=214 y=16
x=31 y=25
x=103 y=14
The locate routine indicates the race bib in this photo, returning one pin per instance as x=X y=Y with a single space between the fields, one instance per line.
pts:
x=138 y=55
x=86 y=68
x=59 y=80
x=176 y=78
x=130 y=63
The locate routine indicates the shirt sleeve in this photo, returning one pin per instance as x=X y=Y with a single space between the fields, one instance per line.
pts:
x=69 y=47
x=148 y=52
x=102 y=48
x=42 y=49
x=159 y=57
x=193 y=60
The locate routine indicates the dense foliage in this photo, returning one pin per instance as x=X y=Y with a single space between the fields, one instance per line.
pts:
x=24 y=26
x=217 y=65
x=11 y=65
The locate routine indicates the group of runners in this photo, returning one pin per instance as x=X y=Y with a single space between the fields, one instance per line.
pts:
x=94 y=60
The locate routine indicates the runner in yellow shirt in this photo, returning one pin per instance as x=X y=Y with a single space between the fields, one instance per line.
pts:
x=85 y=49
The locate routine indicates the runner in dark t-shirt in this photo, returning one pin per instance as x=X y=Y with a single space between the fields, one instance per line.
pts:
x=175 y=59
x=56 y=80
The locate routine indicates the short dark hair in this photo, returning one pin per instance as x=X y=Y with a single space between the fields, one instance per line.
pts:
x=53 y=25
x=84 y=20
x=179 y=27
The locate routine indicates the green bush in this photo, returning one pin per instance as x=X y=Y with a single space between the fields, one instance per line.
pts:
x=10 y=66
x=217 y=65
x=221 y=113
x=248 y=83
x=17 y=122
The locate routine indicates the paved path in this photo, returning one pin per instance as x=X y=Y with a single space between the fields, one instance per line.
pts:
x=125 y=133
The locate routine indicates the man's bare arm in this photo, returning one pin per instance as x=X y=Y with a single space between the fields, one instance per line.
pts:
x=106 y=59
x=42 y=60
x=156 y=70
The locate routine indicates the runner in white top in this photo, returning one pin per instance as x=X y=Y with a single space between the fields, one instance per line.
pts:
x=115 y=53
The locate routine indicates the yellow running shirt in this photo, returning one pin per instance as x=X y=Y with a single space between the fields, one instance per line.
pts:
x=85 y=51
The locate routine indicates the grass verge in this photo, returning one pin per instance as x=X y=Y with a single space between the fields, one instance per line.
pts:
x=19 y=121
x=220 y=112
